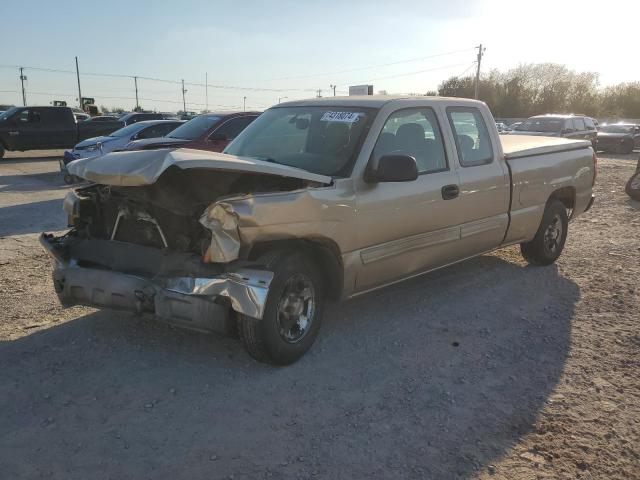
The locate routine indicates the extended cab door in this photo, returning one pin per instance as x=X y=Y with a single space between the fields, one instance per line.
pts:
x=485 y=188
x=407 y=227
x=58 y=128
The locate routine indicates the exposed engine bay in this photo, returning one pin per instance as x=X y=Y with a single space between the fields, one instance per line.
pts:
x=165 y=214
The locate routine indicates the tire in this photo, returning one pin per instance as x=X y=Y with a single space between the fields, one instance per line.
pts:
x=297 y=287
x=633 y=186
x=547 y=245
x=626 y=147
x=1 y=150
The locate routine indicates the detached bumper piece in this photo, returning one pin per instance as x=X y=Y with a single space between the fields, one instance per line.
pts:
x=202 y=304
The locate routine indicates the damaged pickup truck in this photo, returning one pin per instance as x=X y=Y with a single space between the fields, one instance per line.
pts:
x=316 y=200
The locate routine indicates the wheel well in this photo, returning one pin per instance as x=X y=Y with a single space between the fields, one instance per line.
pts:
x=566 y=195
x=324 y=253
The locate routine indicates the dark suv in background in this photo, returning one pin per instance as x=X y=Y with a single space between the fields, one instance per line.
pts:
x=568 y=126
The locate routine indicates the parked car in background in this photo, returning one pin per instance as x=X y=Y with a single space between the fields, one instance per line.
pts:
x=210 y=131
x=96 y=146
x=502 y=127
x=514 y=125
x=619 y=137
x=29 y=128
x=567 y=126
x=316 y=200
x=134 y=117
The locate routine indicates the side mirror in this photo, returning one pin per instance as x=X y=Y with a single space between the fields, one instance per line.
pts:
x=393 y=168
x=218 y=137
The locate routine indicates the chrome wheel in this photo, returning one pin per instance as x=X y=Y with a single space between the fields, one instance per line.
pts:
x=553 y=235
x=296 y=308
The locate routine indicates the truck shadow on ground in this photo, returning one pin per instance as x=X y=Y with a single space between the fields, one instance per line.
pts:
x=432 y=378
x=33 y=182
x=33 y=217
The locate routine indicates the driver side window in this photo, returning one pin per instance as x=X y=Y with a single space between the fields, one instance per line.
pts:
x=414 y=132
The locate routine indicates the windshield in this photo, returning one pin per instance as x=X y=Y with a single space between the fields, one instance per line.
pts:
x=194 y=128
x=8 y=113
x=617 y=128
x=128 y=130
x=541 y=124
x=321 y=140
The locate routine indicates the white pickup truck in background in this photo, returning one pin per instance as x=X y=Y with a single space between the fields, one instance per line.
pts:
x=315 y=200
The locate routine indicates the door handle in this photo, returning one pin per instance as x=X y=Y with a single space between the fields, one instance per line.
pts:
x=449 y=192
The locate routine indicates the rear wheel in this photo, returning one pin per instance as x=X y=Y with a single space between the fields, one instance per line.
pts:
x=633 y=186
x=550 y=238
x=293 y=311
x=1 y=150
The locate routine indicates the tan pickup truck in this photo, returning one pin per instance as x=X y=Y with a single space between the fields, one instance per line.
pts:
x=316 y=200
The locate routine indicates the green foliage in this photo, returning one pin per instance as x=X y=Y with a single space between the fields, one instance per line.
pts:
x=534 y=89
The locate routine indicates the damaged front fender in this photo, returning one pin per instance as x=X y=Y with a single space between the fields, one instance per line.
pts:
x=222 y=222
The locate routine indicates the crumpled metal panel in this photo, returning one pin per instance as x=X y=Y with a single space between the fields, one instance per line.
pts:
x=246 y=288
x=136 y=168
x=220 y=219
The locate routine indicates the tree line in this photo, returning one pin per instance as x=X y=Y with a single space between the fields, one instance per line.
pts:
x=534 y=89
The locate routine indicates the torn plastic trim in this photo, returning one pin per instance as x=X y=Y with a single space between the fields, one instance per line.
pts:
x=247 y=289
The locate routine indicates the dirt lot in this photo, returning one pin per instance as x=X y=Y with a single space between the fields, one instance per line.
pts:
x=489 y=369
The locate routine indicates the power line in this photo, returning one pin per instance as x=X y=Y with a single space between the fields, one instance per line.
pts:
x=368 y=67
x=411 y=73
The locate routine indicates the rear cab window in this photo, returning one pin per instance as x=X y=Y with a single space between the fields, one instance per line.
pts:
x=471 y=136
x=578 y=124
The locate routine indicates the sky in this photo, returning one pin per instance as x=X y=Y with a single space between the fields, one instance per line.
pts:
x=280 y=49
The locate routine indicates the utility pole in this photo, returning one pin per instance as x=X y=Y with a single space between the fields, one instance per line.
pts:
x=184 y=103
x=480 y=53
x=135 y=81
x=206 y=92
x=319 y=93
x=79 y=91
x=334 y=89
x=244 y=104
x=22 y=79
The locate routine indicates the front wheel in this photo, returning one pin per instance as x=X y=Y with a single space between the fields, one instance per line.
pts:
x=293 y=311
x=550 y=238
x=633 y=186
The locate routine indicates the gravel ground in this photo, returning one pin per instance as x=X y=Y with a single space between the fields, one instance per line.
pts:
x=488 y=369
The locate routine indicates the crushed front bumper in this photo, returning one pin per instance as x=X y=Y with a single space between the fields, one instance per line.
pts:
x=197 y=303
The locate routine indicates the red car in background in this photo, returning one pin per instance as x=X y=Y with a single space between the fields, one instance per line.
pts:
x=209 y=131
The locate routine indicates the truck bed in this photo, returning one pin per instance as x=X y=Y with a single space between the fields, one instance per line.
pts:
x=518 y=146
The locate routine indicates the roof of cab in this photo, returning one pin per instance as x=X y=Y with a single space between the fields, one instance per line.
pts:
x=372 y=101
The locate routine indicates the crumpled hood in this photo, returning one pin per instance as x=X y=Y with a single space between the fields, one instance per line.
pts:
x=143 y=167
x=94 y=140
